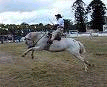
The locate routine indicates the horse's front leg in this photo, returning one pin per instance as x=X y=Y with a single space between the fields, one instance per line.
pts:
x=31 y=49
x=26 y=52
x=32 y=54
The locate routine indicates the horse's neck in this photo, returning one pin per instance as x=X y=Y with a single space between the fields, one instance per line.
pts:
x=35 y=36
x=40 y=36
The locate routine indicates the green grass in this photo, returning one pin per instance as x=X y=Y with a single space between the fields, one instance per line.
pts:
x=54 y=69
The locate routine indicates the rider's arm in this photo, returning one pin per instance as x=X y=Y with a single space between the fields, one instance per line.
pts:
x=56 y=25
x=61 y=22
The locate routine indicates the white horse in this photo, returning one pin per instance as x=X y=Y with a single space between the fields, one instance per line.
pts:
x=74 y=47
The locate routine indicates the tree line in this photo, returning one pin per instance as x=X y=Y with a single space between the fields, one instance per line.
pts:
x=24 y=28
x=97 y=9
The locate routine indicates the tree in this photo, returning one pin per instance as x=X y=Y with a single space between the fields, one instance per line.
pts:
x=68 y=25
x=40 y=27
x=80 y=16
x=97 y=7
x=48 y=27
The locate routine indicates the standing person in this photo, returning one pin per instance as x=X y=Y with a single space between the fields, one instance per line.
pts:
x=56 y=35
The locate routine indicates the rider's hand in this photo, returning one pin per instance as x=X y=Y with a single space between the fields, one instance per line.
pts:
x=56 y=25
x=50 y=42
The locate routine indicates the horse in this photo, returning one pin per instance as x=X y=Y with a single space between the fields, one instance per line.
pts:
x=37 y=41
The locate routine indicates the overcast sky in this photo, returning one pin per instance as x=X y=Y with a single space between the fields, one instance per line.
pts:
x=36 y=11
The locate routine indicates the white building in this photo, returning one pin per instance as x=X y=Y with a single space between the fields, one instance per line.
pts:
x=105 y=26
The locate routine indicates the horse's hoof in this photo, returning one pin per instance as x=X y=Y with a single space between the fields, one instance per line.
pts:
x=32 y=57
x=86 y=70
x=92 y=65
x=23 y=55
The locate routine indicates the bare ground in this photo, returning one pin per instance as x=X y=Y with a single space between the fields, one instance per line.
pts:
x=5 y=58
x=55 y=72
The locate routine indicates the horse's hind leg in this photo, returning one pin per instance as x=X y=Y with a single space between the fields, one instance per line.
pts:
x=86 y=64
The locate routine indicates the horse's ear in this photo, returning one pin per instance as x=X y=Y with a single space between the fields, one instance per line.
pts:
x=25 y=38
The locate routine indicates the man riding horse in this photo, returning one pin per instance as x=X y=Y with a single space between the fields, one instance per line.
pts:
x=59 y=31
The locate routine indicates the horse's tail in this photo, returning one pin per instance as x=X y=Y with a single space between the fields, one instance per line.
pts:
x=82 y=48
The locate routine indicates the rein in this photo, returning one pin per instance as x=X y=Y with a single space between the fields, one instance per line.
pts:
x=38 y=39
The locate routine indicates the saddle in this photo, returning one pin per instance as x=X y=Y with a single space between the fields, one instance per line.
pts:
x=49 y=42
x=58 y=37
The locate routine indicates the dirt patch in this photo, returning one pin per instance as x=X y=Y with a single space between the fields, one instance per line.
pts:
x=101 y=54
x=5 y=58
x=53 y=69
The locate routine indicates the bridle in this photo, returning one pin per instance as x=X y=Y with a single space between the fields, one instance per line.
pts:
x=34 y=43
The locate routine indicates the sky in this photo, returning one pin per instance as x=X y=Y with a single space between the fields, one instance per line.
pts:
x=36 y=11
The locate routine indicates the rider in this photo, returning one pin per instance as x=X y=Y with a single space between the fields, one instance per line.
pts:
x=60 y=28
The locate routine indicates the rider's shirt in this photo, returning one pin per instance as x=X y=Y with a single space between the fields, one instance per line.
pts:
x=60 y=21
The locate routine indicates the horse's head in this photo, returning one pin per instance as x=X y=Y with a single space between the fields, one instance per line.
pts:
x=33 y=37
x=30 y=38
x=29 y=42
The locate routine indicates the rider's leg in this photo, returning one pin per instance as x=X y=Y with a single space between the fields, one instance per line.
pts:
x=54 y=34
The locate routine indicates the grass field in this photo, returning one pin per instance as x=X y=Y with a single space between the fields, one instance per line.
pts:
x=53 y=69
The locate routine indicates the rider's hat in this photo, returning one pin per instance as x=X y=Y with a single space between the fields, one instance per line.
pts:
x=58 y=15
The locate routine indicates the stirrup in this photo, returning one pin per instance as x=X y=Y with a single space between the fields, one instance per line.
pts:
x=49 y=42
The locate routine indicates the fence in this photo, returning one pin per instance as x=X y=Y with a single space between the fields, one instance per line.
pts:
x=7 y=38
